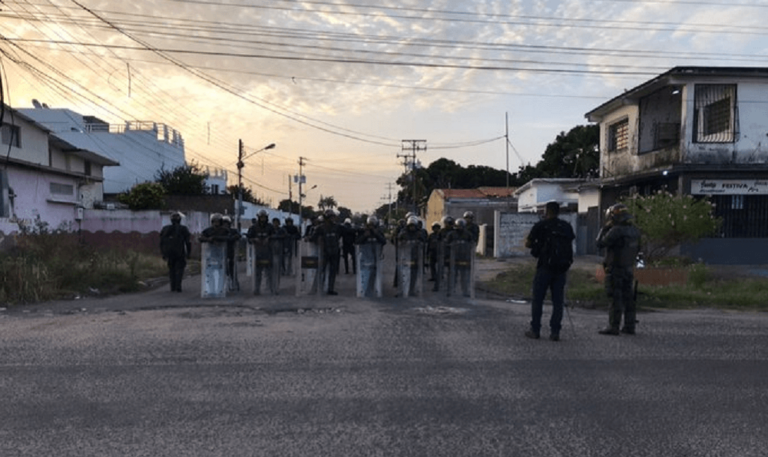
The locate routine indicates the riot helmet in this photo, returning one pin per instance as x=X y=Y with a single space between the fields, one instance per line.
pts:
x=468 y=215
x=461 y=223
x=618 y=213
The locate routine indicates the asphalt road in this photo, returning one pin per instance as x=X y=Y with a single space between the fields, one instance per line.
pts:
x=164 y=374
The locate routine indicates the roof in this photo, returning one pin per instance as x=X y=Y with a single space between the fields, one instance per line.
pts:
x=562 y=182
x=675 y=76
x=481 y=193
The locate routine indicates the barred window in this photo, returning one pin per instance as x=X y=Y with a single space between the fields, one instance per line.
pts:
x=618 y=136
x=62 y=189
x=11 y=135
x=715 y=113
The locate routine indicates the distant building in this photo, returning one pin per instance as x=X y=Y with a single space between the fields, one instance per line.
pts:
x=534 y=195
x=45 y=177
x=694 y=131
x=142 y=148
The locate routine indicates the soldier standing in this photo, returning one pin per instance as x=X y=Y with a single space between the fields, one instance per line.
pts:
x=621 y=240
x=175 y=247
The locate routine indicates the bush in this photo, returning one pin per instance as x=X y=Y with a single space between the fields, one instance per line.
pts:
x=148 y=195
x=48 y=266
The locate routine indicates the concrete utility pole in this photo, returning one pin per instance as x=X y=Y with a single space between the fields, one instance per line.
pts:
x=301 y=179
x=410 y=160
x=240 y=164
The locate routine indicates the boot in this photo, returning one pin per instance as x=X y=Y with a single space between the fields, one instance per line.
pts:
x=609 y=331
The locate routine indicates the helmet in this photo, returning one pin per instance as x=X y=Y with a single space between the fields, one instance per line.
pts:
x=176 y=216
x=408 y=214
x=435 y=224
x=215 y=217
x=469 y=215
x=347 y=221
x=413 y=220
x=372 y=221
x=226 y=219
x=618 y=213
x=289 y=220
x=329 y=213
x=320 y=219
x=461 y=223
x=447 y=221
x=262 y=213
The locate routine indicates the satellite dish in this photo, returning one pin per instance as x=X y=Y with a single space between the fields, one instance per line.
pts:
x=36 y=103
x=45 y=105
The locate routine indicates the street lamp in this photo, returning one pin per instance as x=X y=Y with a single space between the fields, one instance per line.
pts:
x=240 y=165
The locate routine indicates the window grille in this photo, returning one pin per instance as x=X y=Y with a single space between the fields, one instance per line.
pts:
x=62 y=189
x=11 y=135
x=618 y=136
x=745 y=216
x=715 y=113
x=666 y=134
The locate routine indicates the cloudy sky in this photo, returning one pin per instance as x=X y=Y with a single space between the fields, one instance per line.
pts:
x=342 y=83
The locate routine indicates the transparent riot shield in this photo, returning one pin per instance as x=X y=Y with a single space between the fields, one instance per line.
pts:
x=214 y=267
x=277 y=263
x=442 y=264
x=410 y=259
x=461 y=271
x=263 y=265
x=368 y=270
x=289 y=252
x=233 y=282
x=310 y=274
x=250 y=258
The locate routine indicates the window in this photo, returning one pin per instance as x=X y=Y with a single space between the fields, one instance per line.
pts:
x=11 y=135
x=715 y=113
x=88 y=170
x=62 y=189
x=618 y=136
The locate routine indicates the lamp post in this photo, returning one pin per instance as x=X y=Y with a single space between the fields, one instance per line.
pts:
x=240 y=164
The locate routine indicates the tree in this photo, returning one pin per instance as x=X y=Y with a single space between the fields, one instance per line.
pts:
x=575 y=154
x=248 y=196
x=183 y=180
x=667 y=221
x=147 y=195
x=327 y=203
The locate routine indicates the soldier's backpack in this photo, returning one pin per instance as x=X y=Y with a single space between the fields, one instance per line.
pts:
x=557 y=252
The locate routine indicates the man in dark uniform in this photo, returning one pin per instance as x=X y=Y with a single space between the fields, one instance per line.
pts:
x=621 y=240
x=432 y=240
x=292 y=237
x=348 y=236
x=175 y=247
x=328 y=237
x=260 y=234
x=472 y=228
x=549 y=275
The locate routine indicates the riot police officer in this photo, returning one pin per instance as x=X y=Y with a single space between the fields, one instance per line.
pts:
x=621 y=240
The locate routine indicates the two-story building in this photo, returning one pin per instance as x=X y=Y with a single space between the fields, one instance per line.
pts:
x=44 y=177
x=141 y=147
x=695 y=131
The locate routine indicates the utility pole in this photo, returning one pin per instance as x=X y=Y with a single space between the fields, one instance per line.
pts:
x=240 y=166
x=300 y=179
x=410 y=160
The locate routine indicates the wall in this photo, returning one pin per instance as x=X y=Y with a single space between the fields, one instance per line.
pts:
x=33 y=198
x=511 y=230
x=34 y=142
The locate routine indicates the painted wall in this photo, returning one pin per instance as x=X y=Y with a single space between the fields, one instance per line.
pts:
x=34 y=200
x=511 y=230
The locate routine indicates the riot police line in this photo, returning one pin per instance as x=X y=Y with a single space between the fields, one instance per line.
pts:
x=279 y=254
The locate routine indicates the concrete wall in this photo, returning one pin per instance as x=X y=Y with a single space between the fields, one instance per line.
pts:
x=511 y=230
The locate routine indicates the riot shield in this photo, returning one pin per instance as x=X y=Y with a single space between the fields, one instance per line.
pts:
x=310 y=275
x=263 y=265
x=250 y=258
x=289 y=252
x=214 y=267
x=277 y=262
x=368 y=276
x=442 y=264
x=410 y=259
x=461 y=271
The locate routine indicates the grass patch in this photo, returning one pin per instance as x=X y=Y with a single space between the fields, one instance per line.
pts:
x=48 y=266
x=704 y=289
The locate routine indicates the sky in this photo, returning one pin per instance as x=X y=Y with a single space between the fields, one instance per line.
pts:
x=338 y=85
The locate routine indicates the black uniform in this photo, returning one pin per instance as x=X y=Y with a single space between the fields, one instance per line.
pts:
x=175 y=247
x=622 y=243
x=328 y=237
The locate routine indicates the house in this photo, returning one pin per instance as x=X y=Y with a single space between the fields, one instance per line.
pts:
x=483 y=202
x=700 y=131
x=534 y=195
x=142 y=148
x=45 y=178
